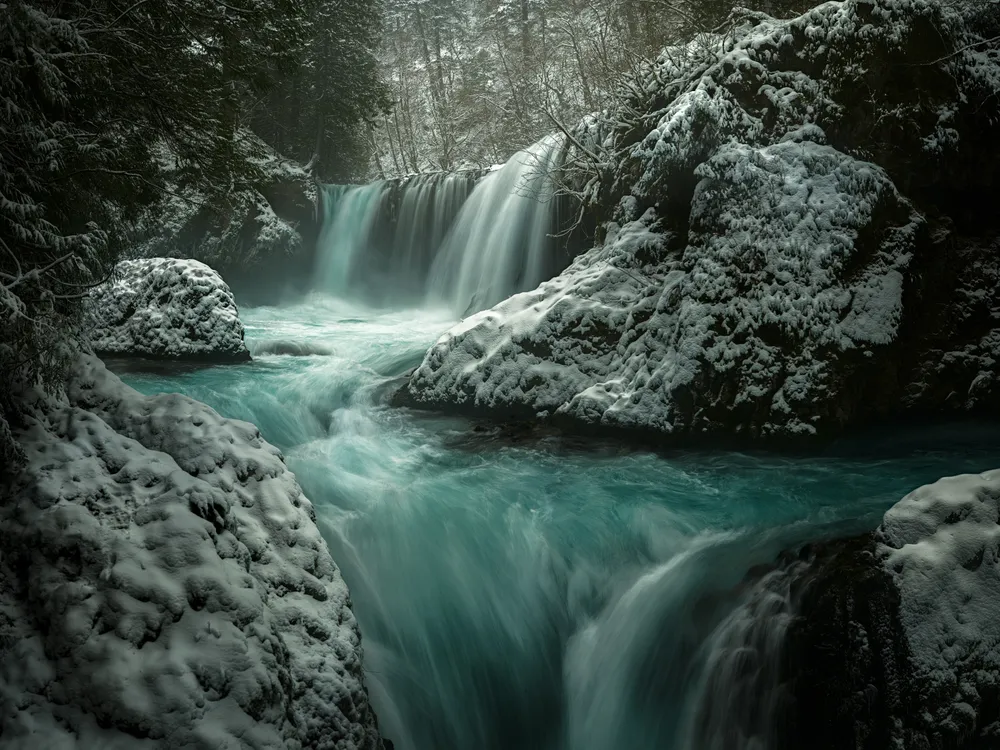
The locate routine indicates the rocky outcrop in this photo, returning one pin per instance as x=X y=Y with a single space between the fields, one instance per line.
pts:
x=801 y=243
x=896 y=642
x=165 y=308
x=163 y=584
x=260 y=236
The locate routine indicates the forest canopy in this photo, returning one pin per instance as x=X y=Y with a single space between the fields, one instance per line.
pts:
x=472 y=81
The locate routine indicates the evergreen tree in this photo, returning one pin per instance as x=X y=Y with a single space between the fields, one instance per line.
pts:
x=323 y=108
x=94 y=95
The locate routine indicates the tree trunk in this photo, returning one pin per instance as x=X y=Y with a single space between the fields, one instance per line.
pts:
x=388 y=134
x=443 y=105
x=426 y=50
x=230 y=96
x=525 y=34
x=317 y=158
x=588 y=96
x=374 y=142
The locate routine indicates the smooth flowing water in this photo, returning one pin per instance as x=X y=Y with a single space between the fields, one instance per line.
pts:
x=460 y=241
x=498 y=244
x=514 y=597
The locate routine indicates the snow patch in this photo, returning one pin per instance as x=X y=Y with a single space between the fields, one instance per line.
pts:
x=941 y=544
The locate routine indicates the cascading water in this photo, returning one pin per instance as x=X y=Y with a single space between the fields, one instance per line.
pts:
x=739 y=699
x=427 y=211
x=378 y=240
x=350 y=214
x=447 y=240
x=500 y=239
x=534 y=597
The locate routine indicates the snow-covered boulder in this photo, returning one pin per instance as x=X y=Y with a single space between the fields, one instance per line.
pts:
x=942 y=546
x=897 y=638
x=787 y=248
x=166 y=308
x=163 y=584
x=792 y=275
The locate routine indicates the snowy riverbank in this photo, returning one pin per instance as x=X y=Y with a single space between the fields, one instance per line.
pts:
x=163 y=584
x=512 y=594
x=785 y=259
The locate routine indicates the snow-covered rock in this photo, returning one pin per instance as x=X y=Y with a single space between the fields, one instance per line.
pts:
x=163 y=584
x=791 y=279
x=166 y=308
x=896 y=643
x=793 y=220
x=942 y=546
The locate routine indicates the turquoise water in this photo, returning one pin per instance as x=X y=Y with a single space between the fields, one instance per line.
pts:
x=517 y=597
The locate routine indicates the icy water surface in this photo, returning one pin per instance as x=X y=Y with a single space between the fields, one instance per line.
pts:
x=519 y=597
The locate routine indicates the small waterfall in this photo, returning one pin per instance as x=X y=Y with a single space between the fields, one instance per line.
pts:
x=427 y=211
x=456 y=240
x=378 y=240
x=688 y=657
x=350 y=213
x=742 y=698
x=501 y=238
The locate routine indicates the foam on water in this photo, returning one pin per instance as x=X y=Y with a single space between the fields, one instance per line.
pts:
x=515 y=597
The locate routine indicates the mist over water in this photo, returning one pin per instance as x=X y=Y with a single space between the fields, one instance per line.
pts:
x=530 y=596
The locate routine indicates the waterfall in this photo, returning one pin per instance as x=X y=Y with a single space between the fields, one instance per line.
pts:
x=687 y=657
x=741 y=697
x=450 y=240
x=498 y=244
x=428 y=208
x=378 y=241
x=349 y=218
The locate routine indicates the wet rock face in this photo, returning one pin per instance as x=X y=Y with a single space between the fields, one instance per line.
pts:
x=846 y=659
x=165 y=308
x=954 y=338
x=798 y=245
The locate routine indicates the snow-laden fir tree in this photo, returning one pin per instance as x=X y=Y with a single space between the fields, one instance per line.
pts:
x=91 y=95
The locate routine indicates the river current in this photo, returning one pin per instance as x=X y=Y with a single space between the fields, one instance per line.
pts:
x=515 y=596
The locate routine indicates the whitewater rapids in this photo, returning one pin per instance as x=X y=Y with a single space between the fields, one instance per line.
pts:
x=534 y=596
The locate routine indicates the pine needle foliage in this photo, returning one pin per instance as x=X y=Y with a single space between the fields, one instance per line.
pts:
x=91 y=91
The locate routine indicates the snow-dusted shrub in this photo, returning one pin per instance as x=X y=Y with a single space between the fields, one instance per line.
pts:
x=163 y=584
x=50 y=243
x=164 y=307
